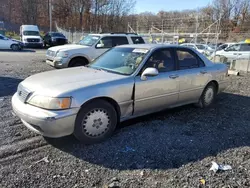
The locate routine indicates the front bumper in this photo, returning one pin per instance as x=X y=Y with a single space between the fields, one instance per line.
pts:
x=48 y=123
x=33 y=44
x=57 y=62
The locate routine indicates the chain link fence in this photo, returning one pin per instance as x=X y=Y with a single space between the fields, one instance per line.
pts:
x=72 y=35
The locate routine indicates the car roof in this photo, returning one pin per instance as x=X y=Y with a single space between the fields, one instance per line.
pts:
x=115 y=34
x=149 y=46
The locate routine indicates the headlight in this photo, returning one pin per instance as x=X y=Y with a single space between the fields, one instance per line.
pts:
x=62 y=54
x=25 y=40
x=50 y=102
x=53 y=39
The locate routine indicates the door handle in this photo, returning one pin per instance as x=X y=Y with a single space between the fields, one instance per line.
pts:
x=173 y=76
x=239 y=54
x=234 y=54
x=203 y=72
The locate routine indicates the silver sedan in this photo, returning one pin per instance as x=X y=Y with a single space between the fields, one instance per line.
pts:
x=125 y=82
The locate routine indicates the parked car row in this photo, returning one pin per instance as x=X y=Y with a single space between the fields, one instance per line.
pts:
x=30 y=37
x=88 y=49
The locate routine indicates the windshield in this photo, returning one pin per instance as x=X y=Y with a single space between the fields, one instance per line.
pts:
x=57 y=35
x=120 y=60
x=200 y=47
x=89 y=40
x=33 y=33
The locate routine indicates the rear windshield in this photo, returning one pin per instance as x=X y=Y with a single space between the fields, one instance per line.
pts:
x=57 y=35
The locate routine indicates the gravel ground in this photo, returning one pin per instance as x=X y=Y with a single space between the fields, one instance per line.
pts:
x=173 y=148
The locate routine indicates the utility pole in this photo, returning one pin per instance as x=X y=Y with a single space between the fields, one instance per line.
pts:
x=162 y=31
x=50 y=15
x=196 y=29
x=137 y=27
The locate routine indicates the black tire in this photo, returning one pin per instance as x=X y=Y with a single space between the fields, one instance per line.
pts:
x=77 y=62
x=102 y=128
x=208 y=96
x=15 y=47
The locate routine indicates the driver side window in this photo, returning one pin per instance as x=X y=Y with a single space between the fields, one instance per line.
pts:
x=162 y=60
x=235 y=47
x=1 y=38
x=105 y=42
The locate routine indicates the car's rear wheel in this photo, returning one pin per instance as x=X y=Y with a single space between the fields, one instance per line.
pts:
x=208 y=96
x=15 y=47
x=77 y=62
x=95 y=122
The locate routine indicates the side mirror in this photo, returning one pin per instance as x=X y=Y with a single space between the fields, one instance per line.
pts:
x=100 y=45
x=226 y=50
x=149 y=72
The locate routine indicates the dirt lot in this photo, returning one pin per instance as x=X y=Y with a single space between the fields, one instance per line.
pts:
x=173 y=148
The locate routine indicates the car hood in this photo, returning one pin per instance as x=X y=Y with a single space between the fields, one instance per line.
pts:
x=57 y=82
x=14 y=40
x=68 y=47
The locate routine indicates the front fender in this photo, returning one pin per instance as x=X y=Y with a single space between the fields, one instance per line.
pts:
x=120 y=91
x=79 y=55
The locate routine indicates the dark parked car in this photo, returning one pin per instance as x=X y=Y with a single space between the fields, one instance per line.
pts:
x=54 y=39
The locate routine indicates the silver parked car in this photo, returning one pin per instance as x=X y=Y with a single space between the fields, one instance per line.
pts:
x=123 y=83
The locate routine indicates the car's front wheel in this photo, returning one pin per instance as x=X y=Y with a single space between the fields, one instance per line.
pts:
x=95 y=122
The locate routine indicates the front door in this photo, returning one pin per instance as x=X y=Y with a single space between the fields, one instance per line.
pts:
x=193 y=75
x=158 y=92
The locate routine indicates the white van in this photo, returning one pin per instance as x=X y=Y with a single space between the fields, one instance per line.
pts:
x=30 y=36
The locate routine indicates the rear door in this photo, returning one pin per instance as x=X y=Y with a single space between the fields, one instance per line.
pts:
x=244 y=52
x=193 y=75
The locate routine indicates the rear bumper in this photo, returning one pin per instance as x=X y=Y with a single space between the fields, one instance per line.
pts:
x=55 y=43
x=45 y=122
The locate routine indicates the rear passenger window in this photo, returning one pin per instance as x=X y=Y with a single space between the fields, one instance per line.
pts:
x=162 y=60
x=119 y=41
x=245 y=47
x=137 y=40
x=188 y=60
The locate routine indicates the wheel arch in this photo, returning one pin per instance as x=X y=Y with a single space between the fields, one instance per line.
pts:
x=109 y=100
x=215 y=83
x=78 y=57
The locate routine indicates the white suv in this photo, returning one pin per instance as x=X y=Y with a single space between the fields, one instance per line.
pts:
x=88 y=49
